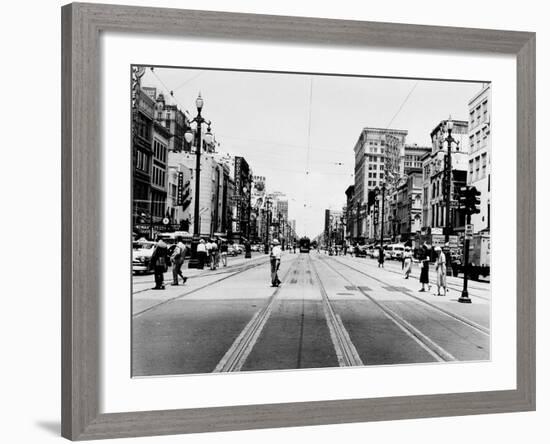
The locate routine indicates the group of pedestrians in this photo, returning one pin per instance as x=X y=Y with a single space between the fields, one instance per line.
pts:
x=440 y=268
x=161 y=259
x=424 y=257
x=209 y=253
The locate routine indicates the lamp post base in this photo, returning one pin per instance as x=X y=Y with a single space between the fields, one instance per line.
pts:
x=194 y=262
x=464 y=298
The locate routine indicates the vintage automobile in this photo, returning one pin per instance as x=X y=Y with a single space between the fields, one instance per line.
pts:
x=141 y=256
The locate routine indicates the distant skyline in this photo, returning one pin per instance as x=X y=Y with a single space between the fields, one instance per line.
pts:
x=299 y=130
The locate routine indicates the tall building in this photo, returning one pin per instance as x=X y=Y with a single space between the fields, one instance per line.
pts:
x=479 y=154
x=168 y=113
x=142 y=154
x=379 y=158
x=214 y=193
x=407 y=219
x=159 y=172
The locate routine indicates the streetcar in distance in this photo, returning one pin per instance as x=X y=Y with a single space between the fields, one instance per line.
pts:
x=305 y=245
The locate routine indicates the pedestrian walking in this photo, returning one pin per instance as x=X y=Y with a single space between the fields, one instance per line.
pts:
x=407 y=261
x=159 y=260
x=201 y=253
x=177 y=258
x=275 y=262
x=425 y=270
x=223 y=252
x=441 y=268
x=208 y=246
x=213 y=254
x=381 y=257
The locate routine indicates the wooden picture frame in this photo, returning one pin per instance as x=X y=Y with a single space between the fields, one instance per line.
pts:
x=81 y=171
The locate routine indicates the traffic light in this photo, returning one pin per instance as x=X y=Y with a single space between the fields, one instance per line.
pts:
x=474 y=200
x=468 y=200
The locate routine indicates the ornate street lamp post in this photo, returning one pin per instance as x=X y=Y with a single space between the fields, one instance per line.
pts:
x=448 y=179
x=199 y=120
x=382 y=202
x=448 y=190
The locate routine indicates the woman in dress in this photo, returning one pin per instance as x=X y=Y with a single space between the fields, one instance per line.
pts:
x=425 y=270
x=441 y=268
x=407 y=262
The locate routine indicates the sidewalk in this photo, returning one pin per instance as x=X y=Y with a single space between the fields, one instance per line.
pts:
x=144 y=297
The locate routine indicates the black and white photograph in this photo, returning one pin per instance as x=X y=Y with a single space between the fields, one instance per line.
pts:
x=285 y=221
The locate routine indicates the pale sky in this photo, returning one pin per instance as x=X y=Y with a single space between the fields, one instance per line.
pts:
x=306 y=151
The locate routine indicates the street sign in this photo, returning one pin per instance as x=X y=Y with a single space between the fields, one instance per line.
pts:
x=438 y=240
x=453 y=241
x=179 y=198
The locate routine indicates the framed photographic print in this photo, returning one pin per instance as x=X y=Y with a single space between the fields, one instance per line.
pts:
x=280 y=221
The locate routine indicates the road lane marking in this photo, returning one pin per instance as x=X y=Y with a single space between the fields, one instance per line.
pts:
x=406 y=291
x=238 y=353
x=424 y=341
x=346 y=353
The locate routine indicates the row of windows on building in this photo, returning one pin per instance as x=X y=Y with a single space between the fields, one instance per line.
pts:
x=479 y=114
x=143 y=161
x=374 y=175
x=160 y=151
x=374 y=166
x=478 y=167
x=374 y=159
x=479 y=139
x=376 y=142
x=159 y=176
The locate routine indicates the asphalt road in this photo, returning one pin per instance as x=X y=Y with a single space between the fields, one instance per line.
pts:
x=328 y=312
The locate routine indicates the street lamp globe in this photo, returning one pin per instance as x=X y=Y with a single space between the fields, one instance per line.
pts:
x=449 y=124
x=208 y=136
x=188 y=135
x=199 y=102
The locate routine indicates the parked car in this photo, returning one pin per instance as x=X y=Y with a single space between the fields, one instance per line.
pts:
x=141 y=256
x=394 y=251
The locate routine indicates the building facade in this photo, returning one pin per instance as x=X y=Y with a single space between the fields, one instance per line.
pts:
x=142 y=155
x=479 y=155
x=379 y=159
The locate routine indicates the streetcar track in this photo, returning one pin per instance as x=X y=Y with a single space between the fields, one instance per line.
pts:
x=428 y=344
x=346 y=352
x=459 y=318
x=238 y=353
x=194 y=290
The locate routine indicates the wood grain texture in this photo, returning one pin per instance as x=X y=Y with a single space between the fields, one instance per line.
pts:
x=81 y=172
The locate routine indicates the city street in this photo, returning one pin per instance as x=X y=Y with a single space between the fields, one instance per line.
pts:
x=329 y=311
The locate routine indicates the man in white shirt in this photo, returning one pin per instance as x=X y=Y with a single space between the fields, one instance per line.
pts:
x=201 y=253
x=275 y=261
x=177 y=258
